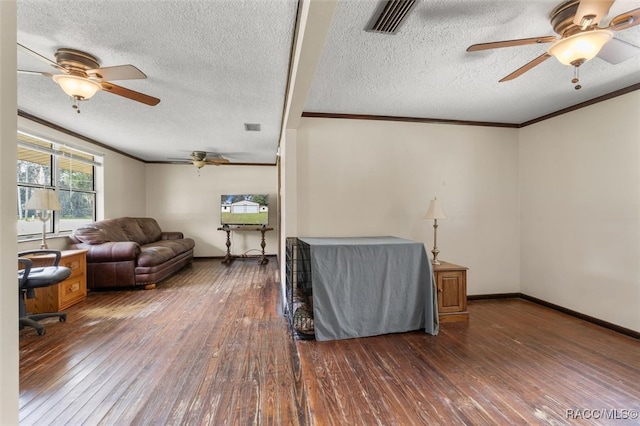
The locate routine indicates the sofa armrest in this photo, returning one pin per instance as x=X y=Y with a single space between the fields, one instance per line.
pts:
x=172 y=236
x=111 y=251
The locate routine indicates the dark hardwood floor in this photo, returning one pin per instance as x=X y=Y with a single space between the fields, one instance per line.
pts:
x=514 y=363
x=208 y=346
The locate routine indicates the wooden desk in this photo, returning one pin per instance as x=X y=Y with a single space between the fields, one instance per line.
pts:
x=451 y=282
x=70 y=291
x=229 y=257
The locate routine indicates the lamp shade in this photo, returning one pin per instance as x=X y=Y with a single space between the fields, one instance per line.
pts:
x=75 y=86
x=43 y=199
x=435 y=210
x=579 y=47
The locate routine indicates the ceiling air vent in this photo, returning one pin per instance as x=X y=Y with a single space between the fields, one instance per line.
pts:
x=391 y=15
x=252 y=127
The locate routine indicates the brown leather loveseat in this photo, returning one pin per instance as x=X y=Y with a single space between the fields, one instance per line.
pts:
x=131 y=251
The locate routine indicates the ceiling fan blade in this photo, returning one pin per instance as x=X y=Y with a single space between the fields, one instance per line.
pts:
x=46 y=74
x=616 y=51
x=128 y=93
x=510 y=43
x=517 y=73
x=214 y=158
x=217 y=161
x=625 y=20
x=206 y=157
x=36 y=55
x=591 y=12
x=118 y=72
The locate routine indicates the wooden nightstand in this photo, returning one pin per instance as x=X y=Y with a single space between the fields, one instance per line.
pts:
x=56 y=298
x=451 y=283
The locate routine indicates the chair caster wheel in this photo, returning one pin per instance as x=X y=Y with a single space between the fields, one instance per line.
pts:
x=41 y=332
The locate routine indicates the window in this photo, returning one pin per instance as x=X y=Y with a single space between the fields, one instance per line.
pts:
x=67 y=171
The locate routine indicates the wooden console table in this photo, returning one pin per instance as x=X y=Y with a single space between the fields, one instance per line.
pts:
x=56 y=298
x=229 y=257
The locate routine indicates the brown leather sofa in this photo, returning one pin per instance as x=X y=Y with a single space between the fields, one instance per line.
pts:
x=131 y=251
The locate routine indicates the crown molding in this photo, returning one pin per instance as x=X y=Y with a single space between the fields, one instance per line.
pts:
x=575 y=107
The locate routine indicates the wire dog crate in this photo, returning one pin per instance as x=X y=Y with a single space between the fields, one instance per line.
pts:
x=299 y=292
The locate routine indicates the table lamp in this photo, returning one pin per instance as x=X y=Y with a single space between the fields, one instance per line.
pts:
x=43 y=200
x=435 y=212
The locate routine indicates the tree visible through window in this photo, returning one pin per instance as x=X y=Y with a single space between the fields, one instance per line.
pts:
x=43 y=164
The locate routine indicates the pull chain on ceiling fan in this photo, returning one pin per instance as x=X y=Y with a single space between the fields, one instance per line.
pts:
x=581 y=39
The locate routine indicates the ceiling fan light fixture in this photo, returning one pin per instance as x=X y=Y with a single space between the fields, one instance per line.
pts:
x=199 y=163
x=76 y=86
x=580 y=47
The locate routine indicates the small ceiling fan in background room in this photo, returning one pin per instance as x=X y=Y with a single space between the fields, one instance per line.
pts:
x=581 y=37
x=202 y=158
x=81 y=76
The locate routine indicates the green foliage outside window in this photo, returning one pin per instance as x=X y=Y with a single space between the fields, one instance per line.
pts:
x=67 y=172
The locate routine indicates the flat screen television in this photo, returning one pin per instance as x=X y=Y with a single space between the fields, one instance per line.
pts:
x=244 y=209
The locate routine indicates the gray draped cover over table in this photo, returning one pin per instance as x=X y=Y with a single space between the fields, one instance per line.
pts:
x=367 y=286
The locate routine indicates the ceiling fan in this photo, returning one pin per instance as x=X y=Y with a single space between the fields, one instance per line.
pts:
x=581 y=37
x=202 y=158
x=81 y=76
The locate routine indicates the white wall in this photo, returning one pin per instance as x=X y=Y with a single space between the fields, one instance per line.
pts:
x=580 y=210
x=124 y=187
x=362 y=177
x=182 y=200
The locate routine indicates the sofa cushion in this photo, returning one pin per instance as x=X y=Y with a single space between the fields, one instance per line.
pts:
x=90 y=235
x=133 y=231
x=112 y=230
x=153 y=255
x=180 y=246
x=150 y=228
x=176 y=246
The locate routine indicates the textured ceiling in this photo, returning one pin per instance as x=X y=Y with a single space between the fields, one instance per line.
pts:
x=217 y=64
x=424 y=70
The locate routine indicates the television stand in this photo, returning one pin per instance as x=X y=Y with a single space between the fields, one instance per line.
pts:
x=229 y=257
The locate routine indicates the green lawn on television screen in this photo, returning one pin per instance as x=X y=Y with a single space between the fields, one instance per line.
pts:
x=229 y=218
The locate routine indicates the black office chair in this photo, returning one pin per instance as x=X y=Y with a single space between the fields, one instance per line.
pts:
x=31 y=278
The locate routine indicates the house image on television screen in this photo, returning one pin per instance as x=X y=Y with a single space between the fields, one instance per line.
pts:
x=244 y=209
